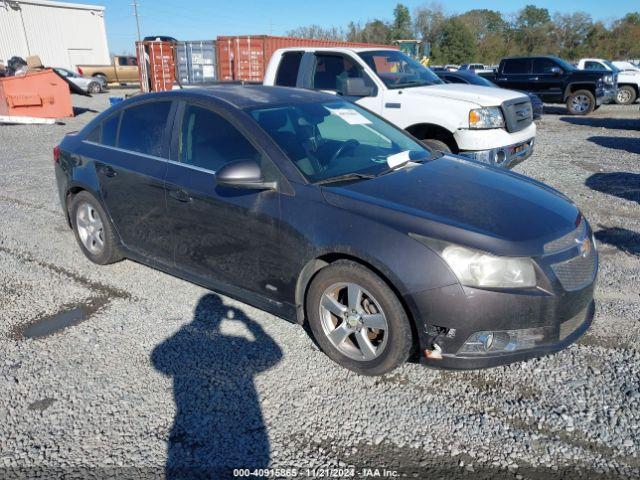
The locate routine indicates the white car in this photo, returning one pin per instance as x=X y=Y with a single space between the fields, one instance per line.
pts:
x=488 y=124
x=628 y=78
x=88 y=84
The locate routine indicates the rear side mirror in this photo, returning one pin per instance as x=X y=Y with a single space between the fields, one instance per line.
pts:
x=356 y=87
x=243 y=174
x=556 y=70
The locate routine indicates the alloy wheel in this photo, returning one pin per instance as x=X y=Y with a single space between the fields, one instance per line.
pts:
x=580 y=103
x=353 y=321
x=624 y=96
x=90 y=228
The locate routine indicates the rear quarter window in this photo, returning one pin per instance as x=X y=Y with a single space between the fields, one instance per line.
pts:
x=143 y=126
x=516 y=65
x=106 y=132
x=287 y=75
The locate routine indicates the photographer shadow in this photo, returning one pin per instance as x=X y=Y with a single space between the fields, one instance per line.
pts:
x=218 y=424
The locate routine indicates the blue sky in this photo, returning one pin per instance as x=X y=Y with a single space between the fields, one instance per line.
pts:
x=202 y=19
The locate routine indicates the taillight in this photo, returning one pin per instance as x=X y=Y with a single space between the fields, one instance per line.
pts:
x=56 y=154
x=80 y=71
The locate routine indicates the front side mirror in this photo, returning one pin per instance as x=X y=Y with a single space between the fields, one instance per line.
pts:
x=556 y=70
x=356 y=87
x=243 y=174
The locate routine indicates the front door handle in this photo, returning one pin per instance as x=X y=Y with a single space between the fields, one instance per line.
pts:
x=180 y=195
x=535 y=79
x=109 y=171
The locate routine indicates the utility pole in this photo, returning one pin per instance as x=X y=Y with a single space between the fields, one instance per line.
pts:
x=135 y=13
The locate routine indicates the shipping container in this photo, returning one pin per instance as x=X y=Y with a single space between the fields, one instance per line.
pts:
x=246 y=57
x=157 y=66
x=196 y=62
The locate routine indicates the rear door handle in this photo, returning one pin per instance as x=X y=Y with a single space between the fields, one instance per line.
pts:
x=534 y=78
x=109 y=171
x=180 y=195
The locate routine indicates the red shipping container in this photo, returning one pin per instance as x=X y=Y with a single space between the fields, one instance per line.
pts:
x=246 y=57
x=157 y=65
x=40 y=94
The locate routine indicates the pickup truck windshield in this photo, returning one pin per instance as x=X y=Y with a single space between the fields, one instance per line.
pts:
x=397 y=70
x=335 y=139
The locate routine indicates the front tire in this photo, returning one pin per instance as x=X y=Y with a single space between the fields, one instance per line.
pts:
x=357 y=320
x=94 y=87
x=581 y=102
x=93 y=230
x=626 y=95
x=437 y=145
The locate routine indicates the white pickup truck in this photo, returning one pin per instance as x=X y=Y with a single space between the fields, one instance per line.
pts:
x=628 y=79
x=491 y=125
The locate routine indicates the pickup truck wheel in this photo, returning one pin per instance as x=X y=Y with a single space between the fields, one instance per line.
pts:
x=438 y=145
x=103 y=77
x=626 y=95
x=581 y=102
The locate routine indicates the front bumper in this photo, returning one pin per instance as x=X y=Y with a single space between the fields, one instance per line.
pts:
x=552 y=342
x=608 y=96
x=506 y=157
x=539 y=320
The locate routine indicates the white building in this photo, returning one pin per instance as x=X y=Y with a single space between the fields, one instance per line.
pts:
x=62 y=34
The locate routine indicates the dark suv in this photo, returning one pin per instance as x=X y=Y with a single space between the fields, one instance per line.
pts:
x=556 y=81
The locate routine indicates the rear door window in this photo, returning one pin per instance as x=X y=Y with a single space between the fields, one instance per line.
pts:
x=110 y=130
x=143 y=127
x=288 y=69
x=517 y=66
x=543 y=66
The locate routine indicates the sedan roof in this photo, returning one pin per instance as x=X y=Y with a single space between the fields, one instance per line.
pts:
x=245 y=96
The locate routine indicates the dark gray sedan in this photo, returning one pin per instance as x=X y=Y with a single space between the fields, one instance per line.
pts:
x=319 y=211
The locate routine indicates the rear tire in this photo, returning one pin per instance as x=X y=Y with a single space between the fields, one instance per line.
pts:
x=369 y=333
x=581 y=102
x=438 y=145
x=103 y=77
x=92 y=229
x=626 y=95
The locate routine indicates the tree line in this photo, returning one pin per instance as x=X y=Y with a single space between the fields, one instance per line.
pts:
x=484 y=35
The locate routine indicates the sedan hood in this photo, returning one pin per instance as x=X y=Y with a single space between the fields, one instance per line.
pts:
x=464 y=202
x=481 y=96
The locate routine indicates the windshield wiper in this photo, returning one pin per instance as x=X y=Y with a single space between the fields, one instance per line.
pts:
x=433 y=156
x=345 y=177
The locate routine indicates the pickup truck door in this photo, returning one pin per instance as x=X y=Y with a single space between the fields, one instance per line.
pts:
x=515 y=74
x=546 y=81
x=327 y=71
x=126 y=69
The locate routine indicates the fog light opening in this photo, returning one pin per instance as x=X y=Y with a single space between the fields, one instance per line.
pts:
x=501 y=156
x=502 y=341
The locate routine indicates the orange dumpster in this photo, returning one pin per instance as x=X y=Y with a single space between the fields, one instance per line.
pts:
x=41 y=94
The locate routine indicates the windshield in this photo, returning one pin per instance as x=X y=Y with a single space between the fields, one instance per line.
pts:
x=481 y=81
x=611 y=66
x=326 y=140
x=566 y=66
x=397 y=70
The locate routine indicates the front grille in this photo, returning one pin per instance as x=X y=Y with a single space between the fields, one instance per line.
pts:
x=571 y=325
x=577 y=272
x=518 y=114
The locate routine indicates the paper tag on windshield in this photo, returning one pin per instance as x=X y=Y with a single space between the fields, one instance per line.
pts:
x=352 y=117
x=398 y=159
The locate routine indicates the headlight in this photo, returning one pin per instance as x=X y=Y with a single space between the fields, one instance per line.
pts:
x=479 y=269
x=487 y=117
x=608 y=79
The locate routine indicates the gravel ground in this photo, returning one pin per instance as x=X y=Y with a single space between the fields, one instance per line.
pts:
x=156 y=371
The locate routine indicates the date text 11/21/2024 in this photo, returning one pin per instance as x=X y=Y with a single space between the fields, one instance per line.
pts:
x=316 y=473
